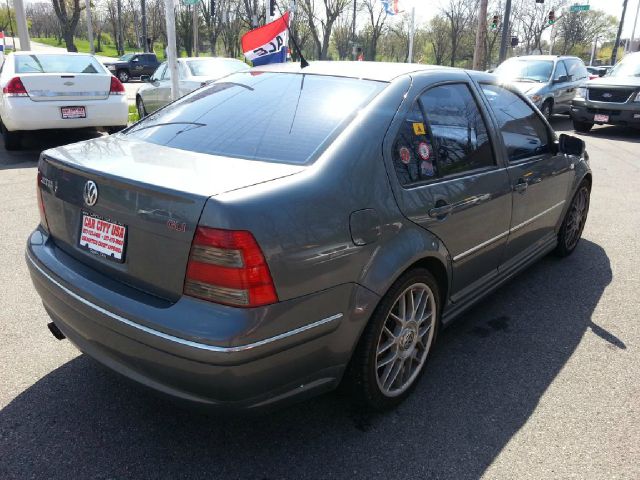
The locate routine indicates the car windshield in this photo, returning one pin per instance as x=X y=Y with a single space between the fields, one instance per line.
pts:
x=277 y=117
x=525 y=70
x=47 y=63
x=627 y=67
x=126 y=57
x=216 y=68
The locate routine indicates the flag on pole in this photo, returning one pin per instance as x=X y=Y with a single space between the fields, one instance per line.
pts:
x=391 y=6
x=267 y=44
x=2 y=44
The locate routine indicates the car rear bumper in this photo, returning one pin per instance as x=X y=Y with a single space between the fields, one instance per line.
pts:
x=618 y=113
x=20 y=113
x=295 y=348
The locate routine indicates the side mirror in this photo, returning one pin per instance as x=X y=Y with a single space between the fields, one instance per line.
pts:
x=145 y=78
x=561 y=79
x=571 y=145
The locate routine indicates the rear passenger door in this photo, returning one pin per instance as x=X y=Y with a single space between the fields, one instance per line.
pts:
x=540 y=176
x=562 y=88
x=449 y=182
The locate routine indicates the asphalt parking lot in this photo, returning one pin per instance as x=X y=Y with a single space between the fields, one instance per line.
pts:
x=540 y=380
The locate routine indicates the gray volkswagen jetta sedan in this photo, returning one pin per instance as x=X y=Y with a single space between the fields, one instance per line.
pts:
x=281 y=231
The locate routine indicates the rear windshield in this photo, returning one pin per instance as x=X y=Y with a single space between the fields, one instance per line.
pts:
x=215 y=68
x=278 y=117
x=57 y=64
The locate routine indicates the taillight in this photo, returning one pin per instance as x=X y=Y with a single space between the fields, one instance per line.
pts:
x=227 y=266
x=43 y=215
x=15 y=88
x=116 y=87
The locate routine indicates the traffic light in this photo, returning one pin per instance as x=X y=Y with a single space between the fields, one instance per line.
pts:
x=272 y=8
x=552 y=17
x=515 y=41
x=494 y=22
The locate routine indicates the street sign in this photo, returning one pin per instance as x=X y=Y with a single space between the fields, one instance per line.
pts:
x=190 y=2
x=579 y=8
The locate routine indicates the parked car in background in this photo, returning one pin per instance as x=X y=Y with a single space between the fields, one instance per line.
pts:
x=549 y=81
x=133 y=65
x=193 y=72
x=597 y=72
x=58 y=90
x=282 y=230
x=613 y=99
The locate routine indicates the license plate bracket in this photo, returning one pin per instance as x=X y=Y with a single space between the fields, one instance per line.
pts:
x=598 y=117
x=103 y=237
x=73 y=112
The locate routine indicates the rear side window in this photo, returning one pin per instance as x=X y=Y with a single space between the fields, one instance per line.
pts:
x=443 y=134
x=49 y=63
x=279 y=117
x=576 y=69
x=524 y=133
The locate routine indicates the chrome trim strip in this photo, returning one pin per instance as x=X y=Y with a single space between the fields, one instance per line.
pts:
x=478 y=247
x=49 y=94
x=182 y=341
x=534 y=218
x=504 y=234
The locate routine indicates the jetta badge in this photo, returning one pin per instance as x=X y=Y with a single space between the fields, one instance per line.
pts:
x=90 y=193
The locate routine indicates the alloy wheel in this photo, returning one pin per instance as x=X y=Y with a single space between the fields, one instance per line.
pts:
x=577 y=218
x=405 y=339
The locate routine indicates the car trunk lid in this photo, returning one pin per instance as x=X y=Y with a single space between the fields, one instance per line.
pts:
x=149 y=196
x=45 y=87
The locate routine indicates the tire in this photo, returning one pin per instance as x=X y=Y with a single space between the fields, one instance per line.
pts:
x=112 y=130
x=574 y=221
x=583 y=127
x=123 y=76
x=386 y=345
x=12 y=140
x=140 y=107
x=547 y=109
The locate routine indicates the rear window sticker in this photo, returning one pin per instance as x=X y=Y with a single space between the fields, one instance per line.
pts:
x=405 y=155
x=426 y=168
x=424 y=151
x=418 y=128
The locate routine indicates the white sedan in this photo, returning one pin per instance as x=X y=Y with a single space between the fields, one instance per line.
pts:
x=194 y=72
x=58 y=90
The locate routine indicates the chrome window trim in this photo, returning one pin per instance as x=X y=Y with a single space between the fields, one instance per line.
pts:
x=182 y=341
x=466 y=253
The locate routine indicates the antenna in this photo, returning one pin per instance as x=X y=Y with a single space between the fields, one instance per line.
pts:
x=303 y=62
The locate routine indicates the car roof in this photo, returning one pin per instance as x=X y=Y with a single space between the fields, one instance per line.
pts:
x=209 y=58
x=31 y=52
x=543 y=57
x=380 y=71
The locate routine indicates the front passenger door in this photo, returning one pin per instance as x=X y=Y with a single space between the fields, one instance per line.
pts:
x=540 y=176
x=137 y=66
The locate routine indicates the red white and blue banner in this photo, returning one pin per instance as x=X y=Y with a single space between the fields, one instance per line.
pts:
x=391 y=6
x=2 y=44
x=267 y=44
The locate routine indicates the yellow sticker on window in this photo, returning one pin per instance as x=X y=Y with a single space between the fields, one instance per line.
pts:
x=418 y=128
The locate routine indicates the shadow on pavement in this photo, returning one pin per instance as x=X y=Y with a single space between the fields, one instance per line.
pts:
x=35 y=142
x=482 y=384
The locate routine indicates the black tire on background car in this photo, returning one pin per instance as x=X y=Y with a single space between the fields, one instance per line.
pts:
x=112 y=130
x=583 y=127
x=123 y=76
x=12 y=140
x=547 y=109
x=395 y=344
x=574 y=221
x=140 y=107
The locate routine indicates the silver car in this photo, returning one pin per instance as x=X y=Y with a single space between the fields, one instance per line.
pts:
x=194 y=73
x=283 y=230
x=549 y=81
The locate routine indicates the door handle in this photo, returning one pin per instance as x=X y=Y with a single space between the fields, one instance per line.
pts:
x=521 y=186
x=441 y=211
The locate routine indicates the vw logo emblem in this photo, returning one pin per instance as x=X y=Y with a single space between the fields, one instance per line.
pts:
x=90 y=193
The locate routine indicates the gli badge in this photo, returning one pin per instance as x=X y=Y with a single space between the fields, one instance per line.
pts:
x=90 y=193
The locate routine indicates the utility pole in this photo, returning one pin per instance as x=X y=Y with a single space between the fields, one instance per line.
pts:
x=481 y=37
x=505 y=32
x=614 y=54
x=633 y=32
x=195 y=29
x=89 y=26
x=353 y=30
x=143 y=11
x=412 y=33
x=21 y=23
x=119 y=23
x=593 y=51
x=172 y=54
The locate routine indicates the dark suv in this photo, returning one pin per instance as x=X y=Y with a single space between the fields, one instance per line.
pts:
x=133 y=65
x=613 y=99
